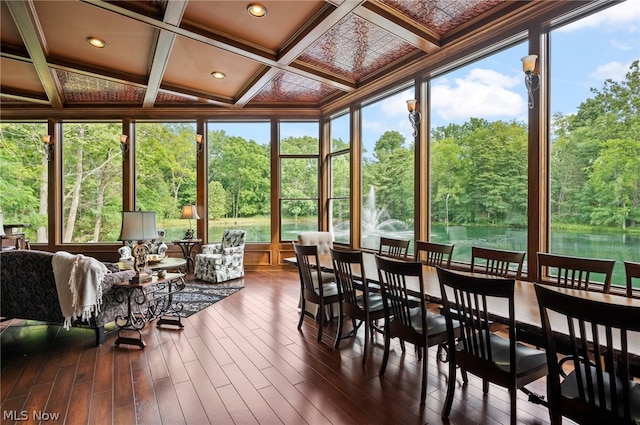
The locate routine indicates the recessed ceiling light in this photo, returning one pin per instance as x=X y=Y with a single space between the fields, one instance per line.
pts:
x=218 y=75
x=257 y=10
x=96 y=42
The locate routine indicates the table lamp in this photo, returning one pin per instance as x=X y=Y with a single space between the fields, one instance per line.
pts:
x=139 y=226
x=190 y=212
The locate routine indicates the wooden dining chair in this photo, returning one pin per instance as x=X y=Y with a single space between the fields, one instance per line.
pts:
x=497 y=262
x=312 y=287
x=476 y=349
x=356 y=300
x=417 y=326
x=599 y=389
x=434 y=254
x=632 y=271
x=394 y=248
x=575 y=272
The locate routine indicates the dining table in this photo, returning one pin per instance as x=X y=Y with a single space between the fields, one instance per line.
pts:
x=527 y=312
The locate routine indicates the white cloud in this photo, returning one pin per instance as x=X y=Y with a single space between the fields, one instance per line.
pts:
x=625 y=14
x=483 y=93
x=615 y=71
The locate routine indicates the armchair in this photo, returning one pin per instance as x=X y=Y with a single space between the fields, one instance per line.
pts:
x=222 y=261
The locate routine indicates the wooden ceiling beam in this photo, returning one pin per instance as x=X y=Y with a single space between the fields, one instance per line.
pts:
x=25 y=18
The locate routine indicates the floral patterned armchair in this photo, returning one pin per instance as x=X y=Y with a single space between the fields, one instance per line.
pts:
x=222 y=261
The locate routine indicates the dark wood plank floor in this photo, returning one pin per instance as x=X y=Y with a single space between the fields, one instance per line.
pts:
x=240 y=361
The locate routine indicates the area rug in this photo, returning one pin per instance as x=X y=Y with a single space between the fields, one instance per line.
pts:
x=198 y=295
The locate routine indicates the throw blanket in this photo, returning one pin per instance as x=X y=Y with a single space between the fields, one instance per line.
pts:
x=79 y=285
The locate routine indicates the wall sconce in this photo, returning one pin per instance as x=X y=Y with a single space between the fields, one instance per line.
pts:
x=199 y=144
x=124 y=144
x=414 y=115
x=48 y=146
x=531 y=78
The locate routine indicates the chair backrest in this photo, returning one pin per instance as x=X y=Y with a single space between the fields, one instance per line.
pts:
x=497 y=262
x=601 y=364
x=632 y=271
x=464 y=299
x=394 y=248
x=307 y=259
x=233 y=237
x=323 y=240
x=575 y=272
x=434 y=254
x=393 y=275
x=348 y=268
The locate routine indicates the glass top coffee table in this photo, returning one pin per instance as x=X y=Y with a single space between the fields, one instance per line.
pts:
x=168 y=263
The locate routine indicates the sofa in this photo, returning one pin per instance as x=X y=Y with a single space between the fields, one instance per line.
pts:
x=28 y=291
x=222 y=261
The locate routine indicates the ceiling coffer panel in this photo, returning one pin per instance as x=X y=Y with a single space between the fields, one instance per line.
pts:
x=442 y=16
x=355 y=48
x=290 y=87
x=82 y=88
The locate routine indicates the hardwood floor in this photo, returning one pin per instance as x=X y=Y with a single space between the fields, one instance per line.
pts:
x=240 y=361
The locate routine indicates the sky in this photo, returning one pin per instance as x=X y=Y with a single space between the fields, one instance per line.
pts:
x=583 y=55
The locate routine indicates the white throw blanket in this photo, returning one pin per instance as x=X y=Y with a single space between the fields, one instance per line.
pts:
x=79 y=284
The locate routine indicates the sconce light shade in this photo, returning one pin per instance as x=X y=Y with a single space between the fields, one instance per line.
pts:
x=1 y=224
x=48 y=146
x=199 y=144
x=412 y=104
x=529 y=63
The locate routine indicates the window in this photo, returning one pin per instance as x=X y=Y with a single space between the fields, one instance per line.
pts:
x=387 y=171
x=299 y=171
x=92 y=182
x=166 y=173
x=23 y=178
x=340 y=178
x=479 y=155
x=239 y=179
x=595 y=149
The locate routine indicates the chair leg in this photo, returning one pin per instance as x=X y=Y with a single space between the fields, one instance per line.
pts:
x=385 y=356
x=451 y=386
x=320 y=321
x=423 y=392
x=340 y=323
x=302 y=309
x=365 y=351
x=485 y=386
x=513 y=395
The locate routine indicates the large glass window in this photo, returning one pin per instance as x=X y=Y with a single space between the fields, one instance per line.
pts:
x=92 y=182
x=23 y=178
x=239 y=179
x=340 y=178
x=595 y=148
x=166 y=173
x=387 y=171
x=299 y=171
x=479 y=155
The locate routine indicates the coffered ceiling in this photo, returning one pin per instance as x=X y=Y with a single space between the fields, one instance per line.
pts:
x=161 y=54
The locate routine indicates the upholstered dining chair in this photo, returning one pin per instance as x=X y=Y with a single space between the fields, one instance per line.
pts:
x=312 y=288
x=222 y=261
x=497 y=262
x=632 y=271
x=494 y=358
x=434 y=254
x=599 y=388
x=415 y=325
x=356 y=300
x=394 y=248
x=575 y=272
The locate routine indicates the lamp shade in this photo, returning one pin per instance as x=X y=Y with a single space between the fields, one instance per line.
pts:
x=529 y=63
x=412 y=104
x=138 y=226
x=190 y=212
x=1 y=224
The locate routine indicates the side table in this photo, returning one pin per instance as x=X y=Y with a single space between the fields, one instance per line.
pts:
x=187 y=245
x=158 y=295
